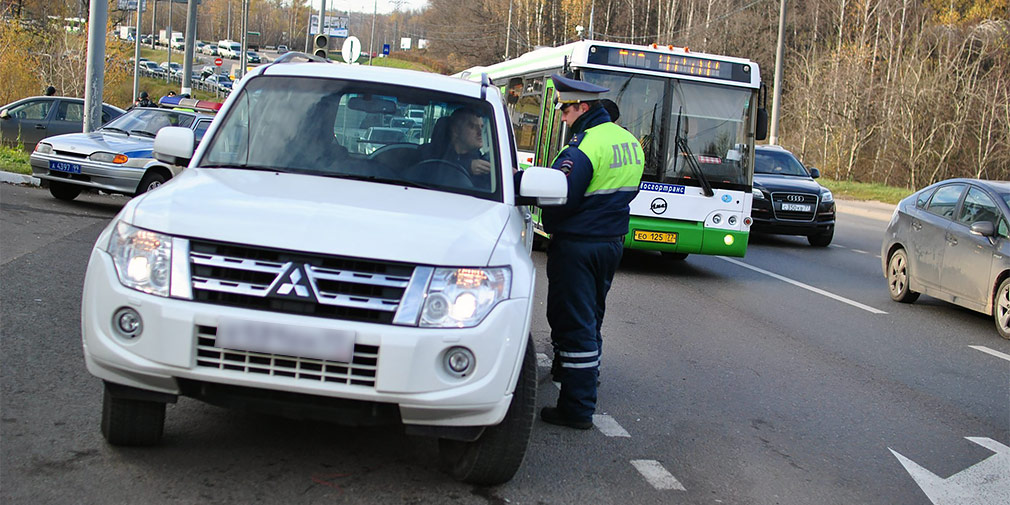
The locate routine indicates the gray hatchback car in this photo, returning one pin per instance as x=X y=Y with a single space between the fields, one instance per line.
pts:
x=951 y=241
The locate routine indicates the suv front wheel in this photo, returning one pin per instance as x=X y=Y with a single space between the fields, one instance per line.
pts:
x=496 y=456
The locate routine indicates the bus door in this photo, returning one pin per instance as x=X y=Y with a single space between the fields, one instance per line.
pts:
x=544 y=155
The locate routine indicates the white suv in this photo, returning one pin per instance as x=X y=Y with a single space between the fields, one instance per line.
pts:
x=286 y=271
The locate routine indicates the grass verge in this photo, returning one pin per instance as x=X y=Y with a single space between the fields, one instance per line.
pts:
x=865 y=191
x=14 y=160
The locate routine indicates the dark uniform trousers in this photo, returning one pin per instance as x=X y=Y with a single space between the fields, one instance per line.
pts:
x=579 y=274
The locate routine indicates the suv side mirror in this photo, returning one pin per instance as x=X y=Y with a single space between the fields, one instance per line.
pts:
x=174 y=145
x=814 y=173
x=761 y=129
x=983 y=228
x=547 y=185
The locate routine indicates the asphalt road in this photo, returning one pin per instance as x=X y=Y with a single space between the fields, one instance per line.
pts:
x=786 y=377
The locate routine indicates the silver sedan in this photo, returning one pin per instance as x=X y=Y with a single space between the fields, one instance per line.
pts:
x=951 y=241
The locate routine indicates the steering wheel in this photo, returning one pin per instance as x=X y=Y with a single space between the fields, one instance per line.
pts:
x=438 y=161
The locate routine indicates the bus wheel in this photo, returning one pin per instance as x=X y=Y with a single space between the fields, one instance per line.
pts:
x=674 y=256
x=495 y=457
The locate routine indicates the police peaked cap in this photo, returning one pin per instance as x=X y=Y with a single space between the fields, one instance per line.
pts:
x=574 y=91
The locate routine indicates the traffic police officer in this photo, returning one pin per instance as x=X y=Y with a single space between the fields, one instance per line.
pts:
x=603 y=163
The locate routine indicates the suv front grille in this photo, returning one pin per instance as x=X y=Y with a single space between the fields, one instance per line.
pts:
x=297 y=283
x=360 y=371
x=778 y=199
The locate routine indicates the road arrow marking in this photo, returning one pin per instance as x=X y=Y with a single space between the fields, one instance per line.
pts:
x=984 y=483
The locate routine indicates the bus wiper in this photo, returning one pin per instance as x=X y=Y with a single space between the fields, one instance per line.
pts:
x=681 y=145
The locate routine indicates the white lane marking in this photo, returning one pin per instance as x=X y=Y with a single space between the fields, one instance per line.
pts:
x=608 y=426
x=543 y=361
x=984 y=483
x=656 y=475
x=859 y=251
x=990 y=351
x=804 y=286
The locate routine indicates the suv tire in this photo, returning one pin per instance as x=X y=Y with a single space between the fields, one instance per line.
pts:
x=129 y=422
x=821 y=239
x=64 y=191
x=495 y=457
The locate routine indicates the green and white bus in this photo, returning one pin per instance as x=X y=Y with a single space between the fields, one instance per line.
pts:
x=695 y=114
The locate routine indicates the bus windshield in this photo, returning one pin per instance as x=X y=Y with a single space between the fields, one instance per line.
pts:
x=712 y=122
x=640 y=100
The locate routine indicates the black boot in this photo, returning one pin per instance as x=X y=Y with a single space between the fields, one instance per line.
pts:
x=552 y=415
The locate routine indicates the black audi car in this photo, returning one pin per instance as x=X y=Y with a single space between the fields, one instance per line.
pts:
x=787 y=200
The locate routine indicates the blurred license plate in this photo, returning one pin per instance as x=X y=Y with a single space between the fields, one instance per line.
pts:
x=655 y=236
x=796 y=207
x=62 y=166
x=300 y=341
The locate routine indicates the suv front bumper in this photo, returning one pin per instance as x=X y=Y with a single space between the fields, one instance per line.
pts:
x=407 y=362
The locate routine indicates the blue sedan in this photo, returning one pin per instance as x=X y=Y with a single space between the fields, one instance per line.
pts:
x=116 y=158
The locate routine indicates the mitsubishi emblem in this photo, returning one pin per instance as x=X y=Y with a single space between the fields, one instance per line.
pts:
x=292 y=283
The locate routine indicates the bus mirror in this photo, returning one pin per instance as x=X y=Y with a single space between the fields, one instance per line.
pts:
x=761 y=131
x=548 y=186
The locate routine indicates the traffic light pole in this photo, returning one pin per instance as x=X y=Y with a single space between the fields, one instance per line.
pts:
x=187 y=64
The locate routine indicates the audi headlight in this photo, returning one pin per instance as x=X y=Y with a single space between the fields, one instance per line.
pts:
x=461 y=297
x=143 y=258
x=826 y=196
x=760 y=195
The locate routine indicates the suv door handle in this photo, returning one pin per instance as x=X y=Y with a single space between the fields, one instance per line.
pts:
x=40 y=126
x=916 y=225
x=952 y=240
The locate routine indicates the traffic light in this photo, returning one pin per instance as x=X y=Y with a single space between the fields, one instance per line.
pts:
x=321 y=45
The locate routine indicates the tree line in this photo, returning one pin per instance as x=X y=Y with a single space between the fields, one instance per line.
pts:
x=902 y=92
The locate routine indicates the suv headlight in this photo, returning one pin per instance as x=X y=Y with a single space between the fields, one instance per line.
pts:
x=143 y=258
x=760 y=195
x=461 y=297
x=826 y=195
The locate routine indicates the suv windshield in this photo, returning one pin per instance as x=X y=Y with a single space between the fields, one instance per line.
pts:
x=343 y=128
x=767 y=161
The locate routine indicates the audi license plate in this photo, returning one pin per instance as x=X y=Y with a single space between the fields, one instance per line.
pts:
x=655 y=236
x=62 y=166
x=300 y=341
x=796 y=207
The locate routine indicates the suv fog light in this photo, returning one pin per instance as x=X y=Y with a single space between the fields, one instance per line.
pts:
x=127 y=323
x=459 y=361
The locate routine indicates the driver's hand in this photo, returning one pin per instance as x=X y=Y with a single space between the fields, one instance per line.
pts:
x=480 y=167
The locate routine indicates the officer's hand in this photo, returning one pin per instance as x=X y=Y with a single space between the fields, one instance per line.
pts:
x=480 y=167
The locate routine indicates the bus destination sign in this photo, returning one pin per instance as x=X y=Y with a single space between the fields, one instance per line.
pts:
x=669 y=63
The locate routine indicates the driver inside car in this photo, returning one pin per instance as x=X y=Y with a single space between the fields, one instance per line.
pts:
x=462 y=146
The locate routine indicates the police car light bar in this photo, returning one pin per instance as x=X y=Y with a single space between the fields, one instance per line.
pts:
x=190 y=103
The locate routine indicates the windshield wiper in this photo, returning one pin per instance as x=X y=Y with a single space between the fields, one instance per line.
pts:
x=143 y=132
x=114 y=129
x=376 y=178
x=681 y=145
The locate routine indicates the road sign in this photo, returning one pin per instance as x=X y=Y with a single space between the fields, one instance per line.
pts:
x=218 y=61
x=385 y=49
x=351 y=49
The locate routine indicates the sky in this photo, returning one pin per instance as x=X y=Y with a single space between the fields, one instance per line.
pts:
x=382 y=6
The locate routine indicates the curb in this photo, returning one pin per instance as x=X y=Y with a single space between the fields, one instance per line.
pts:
x=12 y=178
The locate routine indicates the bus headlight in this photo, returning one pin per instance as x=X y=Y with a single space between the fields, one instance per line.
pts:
x=143 y=258
x=461 y=297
